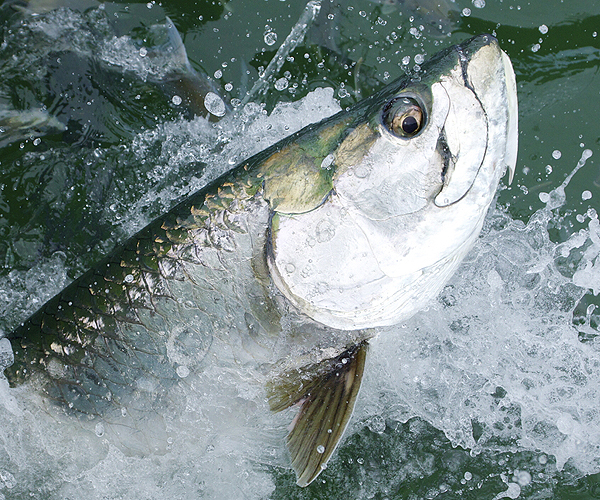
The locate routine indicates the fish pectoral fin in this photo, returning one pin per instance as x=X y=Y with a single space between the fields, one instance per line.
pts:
x=326 y=394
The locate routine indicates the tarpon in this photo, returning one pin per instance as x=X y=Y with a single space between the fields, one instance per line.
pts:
x=27 y=124
x=285 y=266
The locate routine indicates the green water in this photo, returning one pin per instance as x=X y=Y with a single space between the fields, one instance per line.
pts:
x=66 y=198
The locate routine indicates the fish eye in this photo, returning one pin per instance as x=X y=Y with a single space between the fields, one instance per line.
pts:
x=403 y=117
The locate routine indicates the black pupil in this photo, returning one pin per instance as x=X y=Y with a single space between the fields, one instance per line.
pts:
x=410 y=125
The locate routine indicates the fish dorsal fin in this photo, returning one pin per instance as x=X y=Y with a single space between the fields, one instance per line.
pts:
x=326 y=394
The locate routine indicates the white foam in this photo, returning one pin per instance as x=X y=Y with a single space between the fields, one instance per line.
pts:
x=504 y=321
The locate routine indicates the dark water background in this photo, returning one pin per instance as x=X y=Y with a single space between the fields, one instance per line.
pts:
x=67 y=197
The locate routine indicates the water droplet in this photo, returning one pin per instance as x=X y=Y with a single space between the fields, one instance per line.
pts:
x=218 y=74
x=522 y=477
x=228 y=87
x=544 y=197
x=535 y=47
x=281 y=84
x=99 y=430
x=143 y=52
x=176 y=100
x=270 y=38
x=468 y=476
x=543 y=29
x=214 y=104
x=556 y=154
x=183 y=371
x=327 y=161
x=565 y=423
x=586 y=195
x=8 y=479
x=376 y=424
x=321 y=449
x=129 y=278
x=325 y=231
x=420 y=58
x=466 y=12
x=362 y=171
x=480 y=4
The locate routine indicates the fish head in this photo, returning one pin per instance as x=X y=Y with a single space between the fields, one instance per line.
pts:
x=411 y=183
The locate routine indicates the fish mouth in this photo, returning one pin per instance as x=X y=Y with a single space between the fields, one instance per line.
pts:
x=488 y=78
x=482 y=60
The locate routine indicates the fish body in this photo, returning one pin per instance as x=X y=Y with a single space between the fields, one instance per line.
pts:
x=282 y=268
x=27 y=124
x=198 y=93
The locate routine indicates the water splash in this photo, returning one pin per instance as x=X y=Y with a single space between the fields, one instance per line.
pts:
x=496 y=363
x=294 y=39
